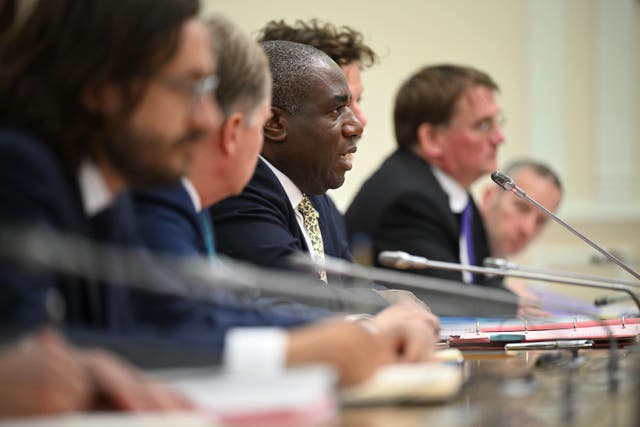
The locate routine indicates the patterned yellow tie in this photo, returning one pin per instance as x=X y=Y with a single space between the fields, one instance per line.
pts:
x=310 y=219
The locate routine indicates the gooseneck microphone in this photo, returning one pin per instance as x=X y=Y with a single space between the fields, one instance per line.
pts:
x=402 y=260
x=507 y=184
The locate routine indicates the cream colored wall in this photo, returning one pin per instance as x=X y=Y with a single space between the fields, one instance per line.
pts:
x=546 y=55
x=407 y=35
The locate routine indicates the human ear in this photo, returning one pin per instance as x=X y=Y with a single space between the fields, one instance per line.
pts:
x=230 y=141
x=276 y=127
x=429 y=145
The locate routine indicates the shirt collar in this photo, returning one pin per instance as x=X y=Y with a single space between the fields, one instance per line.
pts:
x=193 y=194
x=93 y=189
x=458 y=196
x=293 y=192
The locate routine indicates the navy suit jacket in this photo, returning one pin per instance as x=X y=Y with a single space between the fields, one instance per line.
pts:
x=35 y=189
x=402 y=207
x=260 y=226
x=169 y=223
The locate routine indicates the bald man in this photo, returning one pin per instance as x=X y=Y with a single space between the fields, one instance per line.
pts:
x=511 y=222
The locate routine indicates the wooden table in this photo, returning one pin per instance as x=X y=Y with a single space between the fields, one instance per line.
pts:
x=513 y=391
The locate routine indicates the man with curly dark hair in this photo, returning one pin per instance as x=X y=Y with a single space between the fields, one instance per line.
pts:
x=342 y=44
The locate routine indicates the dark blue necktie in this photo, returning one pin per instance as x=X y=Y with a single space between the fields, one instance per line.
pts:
x=207 y=233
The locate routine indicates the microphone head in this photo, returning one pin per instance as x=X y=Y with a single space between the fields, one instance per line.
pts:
x=395 y=259
x=499 y=263
x=494 y=262
x=503 y=180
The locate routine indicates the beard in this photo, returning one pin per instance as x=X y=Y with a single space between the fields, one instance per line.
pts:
x=148 y=159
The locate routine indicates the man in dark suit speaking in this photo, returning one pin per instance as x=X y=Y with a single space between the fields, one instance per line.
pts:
x=447 y=126
x=308 y=145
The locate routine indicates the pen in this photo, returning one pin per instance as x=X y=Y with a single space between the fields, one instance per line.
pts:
x=545 y=345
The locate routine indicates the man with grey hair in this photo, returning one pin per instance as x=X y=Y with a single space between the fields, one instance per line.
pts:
x=511 y=222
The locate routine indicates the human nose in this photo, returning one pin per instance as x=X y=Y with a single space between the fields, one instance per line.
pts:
x=497 y=134
x=352 y=126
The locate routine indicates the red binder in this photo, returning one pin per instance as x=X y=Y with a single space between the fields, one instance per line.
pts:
x=600 y=332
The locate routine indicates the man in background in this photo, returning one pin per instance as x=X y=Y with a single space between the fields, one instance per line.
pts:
x=448 y=130
x=512 y=223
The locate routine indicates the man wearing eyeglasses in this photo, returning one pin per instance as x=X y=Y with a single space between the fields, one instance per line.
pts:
x=124 y=108
x=95 y=97
x=448 y=130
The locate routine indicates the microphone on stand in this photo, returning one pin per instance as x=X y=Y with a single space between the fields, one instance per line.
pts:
x=446 y=297
x=507 y=183
x=403 y=260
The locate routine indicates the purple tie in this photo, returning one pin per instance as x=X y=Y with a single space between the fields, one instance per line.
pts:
x=466 y=230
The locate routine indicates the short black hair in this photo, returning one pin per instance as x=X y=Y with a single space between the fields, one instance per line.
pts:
x=291 y=66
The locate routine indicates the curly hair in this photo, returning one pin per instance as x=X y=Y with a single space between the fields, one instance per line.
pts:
x=343 y=44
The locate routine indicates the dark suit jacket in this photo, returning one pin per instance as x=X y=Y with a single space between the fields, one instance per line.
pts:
x=402 y=207
x=260 y=226
x=169 y=223
x=36 y=190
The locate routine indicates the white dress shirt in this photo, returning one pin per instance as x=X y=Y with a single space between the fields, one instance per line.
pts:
x=458 y=199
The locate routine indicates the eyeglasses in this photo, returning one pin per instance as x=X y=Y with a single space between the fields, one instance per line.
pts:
x=487 y=126
x=196 y=89
x=483 y=127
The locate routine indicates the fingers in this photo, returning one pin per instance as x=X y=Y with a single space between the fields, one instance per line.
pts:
x=412 y=328
x=41 y=376
x=353 y=350
x=119 y=386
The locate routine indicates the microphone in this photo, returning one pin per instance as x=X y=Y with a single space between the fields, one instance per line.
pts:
x=403 y=260
x=400 y=260
x=445 y=297
x=507 y=184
